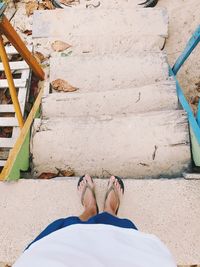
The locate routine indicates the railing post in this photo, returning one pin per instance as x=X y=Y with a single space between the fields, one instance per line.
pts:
x=192 y=43
x=10 y=81
x=7 y=29
x=198 y=114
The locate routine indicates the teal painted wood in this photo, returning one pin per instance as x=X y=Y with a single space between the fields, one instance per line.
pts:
x=2 y=8
x=192 y=120
x=192 y=43
x=198 y=114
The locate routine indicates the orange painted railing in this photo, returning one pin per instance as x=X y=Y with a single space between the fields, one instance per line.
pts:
x=10 y=33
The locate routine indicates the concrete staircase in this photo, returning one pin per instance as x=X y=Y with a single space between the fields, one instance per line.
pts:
x=125 y=100
x=103 y=31
x=123 y=120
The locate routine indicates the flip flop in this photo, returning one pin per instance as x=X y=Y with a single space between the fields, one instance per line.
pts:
x=87 y=186
x=149 y=3
x=116 y=193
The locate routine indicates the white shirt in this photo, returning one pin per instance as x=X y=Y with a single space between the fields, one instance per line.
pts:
x=97 y=245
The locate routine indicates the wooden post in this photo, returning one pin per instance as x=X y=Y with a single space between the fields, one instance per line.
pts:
x=7 y=29
x=11 y=85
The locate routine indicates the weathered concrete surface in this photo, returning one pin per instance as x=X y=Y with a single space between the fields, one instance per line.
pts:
x=168 y=208
x=98 y=33
x=155 y=97
x=107 y=4
x=97 y=73
x=134 y=145
x=102 y=44
x=100 y=21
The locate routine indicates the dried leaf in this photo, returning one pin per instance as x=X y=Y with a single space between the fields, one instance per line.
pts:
x=41 y=6
x=66 y=2
x=27 y=32
x=62 y=85
x=5 y=97
x=30 y=7
x=45 y=65
x=48 y=4
x=16 y=57
x=5 y=40
x=60 y=46
x=66 y=54
x=195 y=100
x=65 y=173
x=93 y=6
x=39 y=57
x=197 y=86
x=47 y=175
x=6 y=132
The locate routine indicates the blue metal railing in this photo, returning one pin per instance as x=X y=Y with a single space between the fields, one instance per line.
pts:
x=194 y=122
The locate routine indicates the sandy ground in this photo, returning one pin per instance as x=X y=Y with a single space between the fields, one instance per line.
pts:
x=184 y=17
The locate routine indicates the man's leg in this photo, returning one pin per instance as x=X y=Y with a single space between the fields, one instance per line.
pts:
x=113 y=199
x=88 y=200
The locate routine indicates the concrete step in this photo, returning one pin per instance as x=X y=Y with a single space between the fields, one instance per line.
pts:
x=98 y=73
x=155 y=97
x=100 y=21
x=167 y=208
x=141 y=145
x=102 y=44
x=132 y=4
x=106 y=41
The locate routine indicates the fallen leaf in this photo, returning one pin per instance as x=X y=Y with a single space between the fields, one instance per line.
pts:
x=41 y=6
x=60 y=46
x=5 y=97
x=45 y=65
x=6 y=132
x=47 y=175
x=197 y=86
x=39 y=57
x=30 y=7
x=62 y=85
x=16 y=57
x=92 y=5
x=66 y=2
x=65 y=173
x=27 y=32
x=5 y=40
x=48 y=4
x=66 y=54
x=195 y=100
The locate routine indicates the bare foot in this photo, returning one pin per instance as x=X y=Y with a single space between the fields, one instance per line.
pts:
x=112 y=201
x=87 y=195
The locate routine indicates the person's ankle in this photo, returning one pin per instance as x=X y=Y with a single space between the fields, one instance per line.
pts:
x=92 y=210
x=110 y=210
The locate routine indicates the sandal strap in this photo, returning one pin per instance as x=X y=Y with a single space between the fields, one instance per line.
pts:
x=116 y=194
x=87 y=186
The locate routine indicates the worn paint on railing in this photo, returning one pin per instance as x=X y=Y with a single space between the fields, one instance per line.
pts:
x=193 y=122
